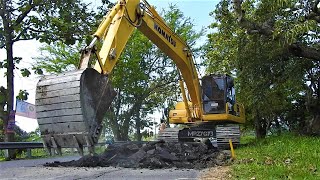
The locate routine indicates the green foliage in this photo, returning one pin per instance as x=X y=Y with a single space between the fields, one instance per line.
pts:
x=57 y=58
x=270 y=75
x=46 y=21
x=20 y=135
x=25 y=72
x=35 y=136
x=278 y=157
x=23 y=95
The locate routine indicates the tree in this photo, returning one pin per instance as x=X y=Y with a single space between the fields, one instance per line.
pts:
x=143 y=79
x=271 y=47
x=46 y=21
x=58 y=57
x=146 y=78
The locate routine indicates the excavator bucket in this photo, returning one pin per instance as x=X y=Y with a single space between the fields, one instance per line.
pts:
x=70 y=108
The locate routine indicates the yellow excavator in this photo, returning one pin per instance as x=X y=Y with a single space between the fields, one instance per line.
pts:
x=70 y=106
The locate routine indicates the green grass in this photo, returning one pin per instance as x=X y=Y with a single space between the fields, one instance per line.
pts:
x=278 y=157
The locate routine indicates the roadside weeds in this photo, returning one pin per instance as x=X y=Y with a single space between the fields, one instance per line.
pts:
x=216 y=173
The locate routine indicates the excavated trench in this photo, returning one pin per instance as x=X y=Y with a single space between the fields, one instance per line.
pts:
x=154 y=155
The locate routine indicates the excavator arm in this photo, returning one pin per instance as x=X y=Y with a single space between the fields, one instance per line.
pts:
x=116 y=29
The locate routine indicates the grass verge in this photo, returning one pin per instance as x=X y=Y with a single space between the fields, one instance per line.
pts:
x=278 y=157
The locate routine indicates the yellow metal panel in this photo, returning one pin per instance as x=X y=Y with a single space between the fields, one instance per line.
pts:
x=178 y=116
x=222 y=117
x=117 y=36
x=181 y=105
x=105 y=24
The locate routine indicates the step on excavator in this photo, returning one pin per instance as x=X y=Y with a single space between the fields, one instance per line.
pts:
x=71 y=106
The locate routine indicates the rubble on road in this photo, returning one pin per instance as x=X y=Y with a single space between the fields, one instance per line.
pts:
x=154 y=155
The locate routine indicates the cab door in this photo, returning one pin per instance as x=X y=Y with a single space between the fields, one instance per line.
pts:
x=214 y=94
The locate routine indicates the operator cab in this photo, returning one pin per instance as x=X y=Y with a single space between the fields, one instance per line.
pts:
x=218 y=94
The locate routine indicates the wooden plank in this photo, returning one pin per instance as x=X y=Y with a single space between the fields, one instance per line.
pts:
x=61 y=92
x=60 y=128
x=59 y=112
x=60 y=119
x=64 y=105
x=53 y=87
x=60 y=99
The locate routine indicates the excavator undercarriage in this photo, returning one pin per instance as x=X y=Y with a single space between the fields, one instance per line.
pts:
x=218 y=135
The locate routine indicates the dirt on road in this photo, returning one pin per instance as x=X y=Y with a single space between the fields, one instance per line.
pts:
x=154 y=155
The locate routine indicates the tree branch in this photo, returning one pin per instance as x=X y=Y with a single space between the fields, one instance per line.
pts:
x=22 y=39
x=265 y=28
x=314 y=14
x=36 y=30
x=1 y=12
x=301 y=50
x=296 y=49
x=20 y=34
x=156 y=87
x=26 y=12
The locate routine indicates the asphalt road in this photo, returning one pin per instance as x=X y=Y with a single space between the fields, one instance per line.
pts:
x=34 y=169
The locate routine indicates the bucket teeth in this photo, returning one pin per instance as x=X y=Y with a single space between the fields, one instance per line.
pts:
x=70 y=107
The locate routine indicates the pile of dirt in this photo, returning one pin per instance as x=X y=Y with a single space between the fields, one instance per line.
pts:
x=153 y=155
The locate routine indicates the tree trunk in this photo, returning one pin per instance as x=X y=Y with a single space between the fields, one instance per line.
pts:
x=278 y=126
x=313 y=106
x=3 y=102
x=125 y=129
x=138 y=127
x=9 y=137
x=121 y=130
x=115 y=126
x=314 y=126
x=116 y=132
x=119 y=133
x=260 y=126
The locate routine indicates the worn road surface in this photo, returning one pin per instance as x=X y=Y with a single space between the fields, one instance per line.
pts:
x=33 y=169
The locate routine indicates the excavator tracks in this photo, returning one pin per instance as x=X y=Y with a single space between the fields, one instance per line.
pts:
x=221 y=138
x=169 y=135
x=226 y=132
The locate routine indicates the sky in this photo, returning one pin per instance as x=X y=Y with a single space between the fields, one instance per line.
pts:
x=197 y=10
